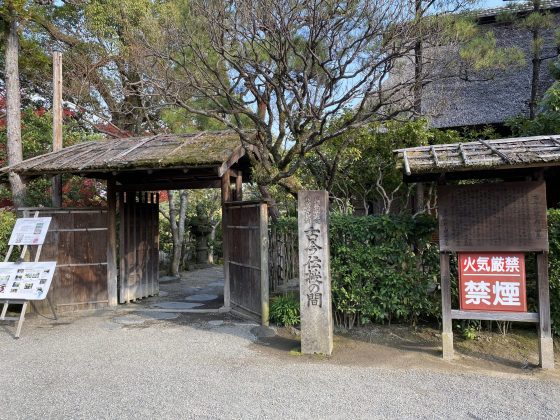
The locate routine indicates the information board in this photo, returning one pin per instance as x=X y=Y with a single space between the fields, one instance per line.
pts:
x=30 y=231
x=497 y=217
x=492 y=282
x=26 y=280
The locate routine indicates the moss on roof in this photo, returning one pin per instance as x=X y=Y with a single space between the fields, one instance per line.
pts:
x=159 y=151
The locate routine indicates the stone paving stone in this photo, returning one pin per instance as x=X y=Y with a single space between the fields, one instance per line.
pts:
x=176 y=305
x=219 y=283
x=159 y=315
x=203 y=297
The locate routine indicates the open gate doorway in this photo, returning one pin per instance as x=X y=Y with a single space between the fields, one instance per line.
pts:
x=245 y=250
x=135 y=168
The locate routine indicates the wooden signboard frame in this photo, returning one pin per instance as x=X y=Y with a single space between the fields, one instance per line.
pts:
x=502 y=217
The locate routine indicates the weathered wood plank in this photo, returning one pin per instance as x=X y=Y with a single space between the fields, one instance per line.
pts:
x=265 y=286
x=546 y=347
x=447 y=334
x=225 y=239
x=496 y=316
x=112 y=286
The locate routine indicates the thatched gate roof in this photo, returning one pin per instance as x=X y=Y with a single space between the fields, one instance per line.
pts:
x=162 y=161
x=483 y=158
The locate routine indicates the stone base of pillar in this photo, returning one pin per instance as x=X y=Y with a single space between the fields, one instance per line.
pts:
x=546 y=353
x=447 y=344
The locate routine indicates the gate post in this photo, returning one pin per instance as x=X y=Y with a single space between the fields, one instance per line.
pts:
x=314 y=273
x=111 y=243
x=264 y=264
x=226 y=196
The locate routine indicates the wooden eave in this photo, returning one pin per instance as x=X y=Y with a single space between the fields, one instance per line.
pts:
x=163 y=161
x=502 y=158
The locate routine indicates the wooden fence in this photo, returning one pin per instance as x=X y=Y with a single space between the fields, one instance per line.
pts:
x=76 y=241
x=283 y=259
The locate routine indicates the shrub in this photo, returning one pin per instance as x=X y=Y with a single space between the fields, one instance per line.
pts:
x=284 y=310
x=7 y=222
x=383 y=269
x=554 y=268
x=386 y=269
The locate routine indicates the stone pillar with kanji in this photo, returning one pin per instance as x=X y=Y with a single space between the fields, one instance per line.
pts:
x=314 y=273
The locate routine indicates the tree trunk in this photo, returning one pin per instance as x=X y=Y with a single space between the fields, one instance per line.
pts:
x=418 y=65
x=536 y=65
x=13 y=107
x=419 y=202
x=272 y=206
x=536 y=61
x=177 y=223
x=211 y=246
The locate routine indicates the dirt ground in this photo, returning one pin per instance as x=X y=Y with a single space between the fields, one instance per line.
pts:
x=401 y=346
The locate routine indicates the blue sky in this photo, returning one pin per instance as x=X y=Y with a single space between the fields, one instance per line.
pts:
x=493 y=3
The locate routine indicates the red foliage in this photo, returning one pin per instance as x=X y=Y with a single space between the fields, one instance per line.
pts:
x=163 y=197
x=6 y=202
x=112 y=130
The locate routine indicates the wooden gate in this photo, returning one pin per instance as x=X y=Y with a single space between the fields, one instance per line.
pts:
x=75 y=240
x=139 y=245
x=246 y=257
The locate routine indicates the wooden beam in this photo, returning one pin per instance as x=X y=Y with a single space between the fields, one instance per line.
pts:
x=239 y=186
x=464 y=154
x=496 y=316
x=111 y=243
x=235 y=156
x=434 y=155
x=555 y=141
x=496 y=151
x=226 y=187
x=133 y=148
x=406 y=164
x=174 y=185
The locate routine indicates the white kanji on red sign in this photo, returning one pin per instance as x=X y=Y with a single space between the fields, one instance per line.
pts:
x=476 y=292
x=506 y=293
x=492 y=281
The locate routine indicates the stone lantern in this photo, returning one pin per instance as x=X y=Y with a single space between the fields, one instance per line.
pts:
x=201 y=229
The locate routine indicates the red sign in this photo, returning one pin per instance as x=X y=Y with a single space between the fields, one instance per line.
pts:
x=490 y=281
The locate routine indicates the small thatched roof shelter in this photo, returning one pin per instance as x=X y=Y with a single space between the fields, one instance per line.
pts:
x=163 y=161
x=510 y=158
x=429 y=162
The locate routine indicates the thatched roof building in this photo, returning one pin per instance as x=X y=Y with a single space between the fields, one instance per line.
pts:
x=455 y=98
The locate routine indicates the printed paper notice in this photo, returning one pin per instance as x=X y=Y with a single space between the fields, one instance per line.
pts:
x=30 y=231
x=26 y=280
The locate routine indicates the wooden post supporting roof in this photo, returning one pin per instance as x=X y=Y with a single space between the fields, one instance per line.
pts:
x=447 y=333
x=111 y=243
x=546 y=346
x=226 y=197
x=265 y=286
x=57 y=124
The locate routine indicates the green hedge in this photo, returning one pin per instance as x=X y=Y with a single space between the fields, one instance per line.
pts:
x=554 y=268
x=383 y=269
x=7 y=222
x=386 y=269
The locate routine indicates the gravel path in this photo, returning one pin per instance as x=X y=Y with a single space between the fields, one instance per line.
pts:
x=103 y=366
